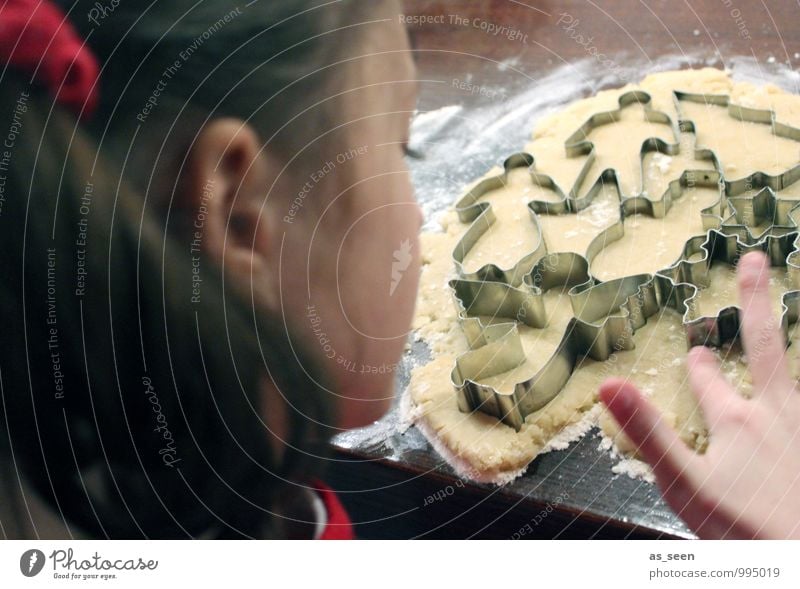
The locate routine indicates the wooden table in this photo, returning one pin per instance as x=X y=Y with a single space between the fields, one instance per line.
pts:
x=395 y=485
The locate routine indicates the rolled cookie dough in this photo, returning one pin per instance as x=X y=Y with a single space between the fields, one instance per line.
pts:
x=657 y=364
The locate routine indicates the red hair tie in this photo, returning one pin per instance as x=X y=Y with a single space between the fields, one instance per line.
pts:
x=36 y=37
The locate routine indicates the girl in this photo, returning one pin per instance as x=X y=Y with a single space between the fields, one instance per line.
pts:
x=188 y=304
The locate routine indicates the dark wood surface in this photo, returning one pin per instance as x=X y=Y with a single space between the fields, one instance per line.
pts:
x=395 y=485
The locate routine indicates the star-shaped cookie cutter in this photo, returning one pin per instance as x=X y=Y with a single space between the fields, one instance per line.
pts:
x=754 y=202
x=783 y=251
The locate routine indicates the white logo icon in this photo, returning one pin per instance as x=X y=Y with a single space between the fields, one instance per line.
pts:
x=402 y=259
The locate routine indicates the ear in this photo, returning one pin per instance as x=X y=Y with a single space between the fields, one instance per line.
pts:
x=221 y=190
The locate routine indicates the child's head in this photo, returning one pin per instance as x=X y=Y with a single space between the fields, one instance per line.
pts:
x=231 y=277
x=286 y=121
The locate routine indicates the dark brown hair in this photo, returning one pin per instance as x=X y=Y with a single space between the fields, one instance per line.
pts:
x=105 y=346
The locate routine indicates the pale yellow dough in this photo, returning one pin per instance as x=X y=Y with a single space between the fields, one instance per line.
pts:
x=657 y=364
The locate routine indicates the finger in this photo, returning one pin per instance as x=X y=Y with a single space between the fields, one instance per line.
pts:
x=761 y=334
x=713 y=391
x=642 y=423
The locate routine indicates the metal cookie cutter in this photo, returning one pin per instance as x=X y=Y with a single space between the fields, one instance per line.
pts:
x=712 y=215
x=763 y=206
x=764 y=209
x=742 y=113
x=605 y=317
x=579 y=144
x=606 y=314
x=481 y=216
x=782 y=250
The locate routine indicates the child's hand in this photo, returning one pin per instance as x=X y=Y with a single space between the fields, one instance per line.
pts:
x=747 y=484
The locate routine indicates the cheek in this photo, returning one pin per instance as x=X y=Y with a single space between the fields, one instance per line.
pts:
x=364 y=273
x=378 y=272
x=366 y=301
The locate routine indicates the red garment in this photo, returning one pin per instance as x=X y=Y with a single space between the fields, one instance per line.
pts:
x=37 y=38
x=339 y=526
